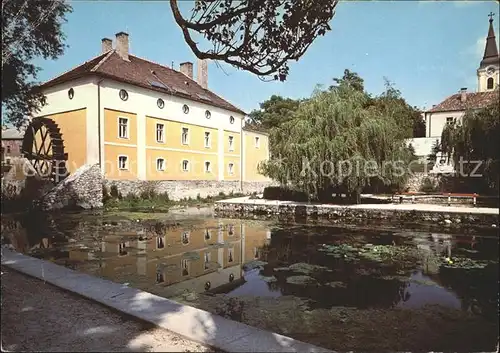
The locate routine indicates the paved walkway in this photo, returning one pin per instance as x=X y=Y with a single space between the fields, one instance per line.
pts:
x=37 y=316
x=392 y=206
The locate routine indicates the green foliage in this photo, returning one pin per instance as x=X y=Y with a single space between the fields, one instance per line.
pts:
x=284 y=194
x=105 y=194
x=339 y=126
x=30 y=30
x=435 y=149
x=114 y=193
x=475 y=140
x=274 y=111
x=258 y=36
x=350 y=79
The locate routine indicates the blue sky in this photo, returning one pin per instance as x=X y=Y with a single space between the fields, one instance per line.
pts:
x=429 y=49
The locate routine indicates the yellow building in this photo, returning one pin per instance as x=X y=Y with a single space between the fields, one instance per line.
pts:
x=140 y=120
x=181 y=259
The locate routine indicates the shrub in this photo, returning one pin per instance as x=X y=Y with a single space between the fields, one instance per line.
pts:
x=106 y=197
x=428 y=185
x=284 y=194
x=114 y=192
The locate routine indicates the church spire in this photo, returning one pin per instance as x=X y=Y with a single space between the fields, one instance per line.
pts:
x=490 y=50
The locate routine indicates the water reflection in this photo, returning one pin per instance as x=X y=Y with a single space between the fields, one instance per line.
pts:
x=331 y=266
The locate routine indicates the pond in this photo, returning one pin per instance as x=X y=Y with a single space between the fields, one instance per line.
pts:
x=367 y=287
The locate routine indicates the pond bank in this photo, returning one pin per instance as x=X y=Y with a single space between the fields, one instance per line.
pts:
x=31 y=322
x=246 y=207
x=192 y=324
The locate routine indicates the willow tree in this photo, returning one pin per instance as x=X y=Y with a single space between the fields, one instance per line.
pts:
x=337 y=142
x=472 y=145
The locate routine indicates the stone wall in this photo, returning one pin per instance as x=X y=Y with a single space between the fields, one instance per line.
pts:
x=415 y=182
x=82 y=189
x=179 y=189
x=340 y=214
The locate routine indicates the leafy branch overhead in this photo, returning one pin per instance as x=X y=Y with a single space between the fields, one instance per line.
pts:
x=259 y=36
x=30 y=29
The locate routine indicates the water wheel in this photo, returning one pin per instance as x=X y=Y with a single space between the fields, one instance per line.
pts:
x=43 y=147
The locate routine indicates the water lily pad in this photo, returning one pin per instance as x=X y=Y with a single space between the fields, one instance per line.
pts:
x=306 y=269
x=271 y=279
x=302 y=280
x=336 y=284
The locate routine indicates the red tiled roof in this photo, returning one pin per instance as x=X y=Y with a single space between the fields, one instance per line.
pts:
x=138 y=72
x=473 y=101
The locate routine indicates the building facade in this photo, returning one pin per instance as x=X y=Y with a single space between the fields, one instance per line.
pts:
x=144 y=121
x=454 y=107
x=12 y=141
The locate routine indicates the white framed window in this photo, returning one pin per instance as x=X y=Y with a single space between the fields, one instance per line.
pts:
x=160 y=242
x=123 y=162
x=208 y=139
x=257 y=142
x=122 y=248
x=185 y=165
x=231 y=143
x=185 y=267
x=185 y=136
x=160 y=278
x=160 y=164
x=230 y=255
x=449 y=120
x=160 y=133
x=208 y=166
x=207 y=259
x=230 y=168
x=185 y=238
x=123 y=128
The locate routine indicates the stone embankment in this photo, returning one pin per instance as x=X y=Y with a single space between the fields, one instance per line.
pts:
x=82 y=189
x=245 y=207
x=179 y=189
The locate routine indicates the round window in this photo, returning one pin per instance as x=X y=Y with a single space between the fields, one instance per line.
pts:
x=123 y=95
x=71 y=93
x=160 y=103
x=208 y=115
x=185 y=109
x=231 y=119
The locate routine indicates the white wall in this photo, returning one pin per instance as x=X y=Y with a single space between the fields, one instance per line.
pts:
x=85 y=96
x=423 y=145
x=437 y=121
x=482 y=79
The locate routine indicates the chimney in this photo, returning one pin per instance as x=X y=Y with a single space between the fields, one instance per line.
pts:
x=187 y=69
x=107 y=45
x=202 y=75
x=122 y=45
x=463 y=94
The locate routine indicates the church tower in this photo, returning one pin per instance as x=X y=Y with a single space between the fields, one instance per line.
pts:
x=488 y=73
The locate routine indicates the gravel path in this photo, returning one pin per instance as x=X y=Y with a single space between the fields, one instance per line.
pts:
x=37 y=316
